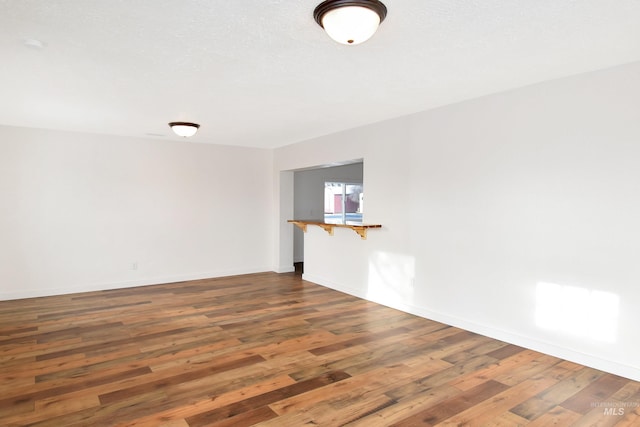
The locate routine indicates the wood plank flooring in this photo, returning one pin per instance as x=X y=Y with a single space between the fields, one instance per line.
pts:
x=274 y=350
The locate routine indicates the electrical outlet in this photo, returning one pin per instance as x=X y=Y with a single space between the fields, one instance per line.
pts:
x=134 y=266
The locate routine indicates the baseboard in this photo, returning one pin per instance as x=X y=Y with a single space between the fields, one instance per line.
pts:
x=329 y=284
x=551 y=349
x=285 y=269
x=35 y=293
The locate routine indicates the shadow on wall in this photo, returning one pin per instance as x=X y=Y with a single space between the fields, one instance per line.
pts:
x=577 y=311
x=391 y=278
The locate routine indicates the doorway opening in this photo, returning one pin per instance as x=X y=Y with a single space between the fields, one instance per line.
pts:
x=310 y=199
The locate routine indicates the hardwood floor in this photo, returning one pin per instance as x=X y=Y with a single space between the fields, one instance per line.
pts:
x=275 y=350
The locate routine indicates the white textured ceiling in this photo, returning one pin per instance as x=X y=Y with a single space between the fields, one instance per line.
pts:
x=262 y=73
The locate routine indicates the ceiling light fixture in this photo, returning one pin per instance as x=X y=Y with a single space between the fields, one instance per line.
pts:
x=184 y=129
x=350 y=21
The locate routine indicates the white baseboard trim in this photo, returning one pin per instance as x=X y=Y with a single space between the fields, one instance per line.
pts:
x=623 y=370
x=551 y=349
x=329 y=284
x=35 y=293
x=285 y=269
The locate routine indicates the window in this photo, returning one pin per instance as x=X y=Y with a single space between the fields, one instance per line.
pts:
x=343 y=202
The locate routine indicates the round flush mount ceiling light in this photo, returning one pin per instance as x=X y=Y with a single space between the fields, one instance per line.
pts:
x=350 y=21
x=184 y=129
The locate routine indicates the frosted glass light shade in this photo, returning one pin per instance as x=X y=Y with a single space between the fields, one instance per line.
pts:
x=351 y=24
x=184 y=129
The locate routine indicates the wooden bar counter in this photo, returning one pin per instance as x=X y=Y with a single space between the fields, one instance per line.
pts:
x=358 y=227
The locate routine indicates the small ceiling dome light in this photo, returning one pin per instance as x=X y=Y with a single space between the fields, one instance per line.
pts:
x=184 y=129
x=350 y=21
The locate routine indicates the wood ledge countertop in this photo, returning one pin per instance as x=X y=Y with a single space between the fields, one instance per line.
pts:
x=358 y=227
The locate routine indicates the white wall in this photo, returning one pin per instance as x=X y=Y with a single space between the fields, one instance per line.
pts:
x=309 y=196
x=78 y=210
x=515 y=215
